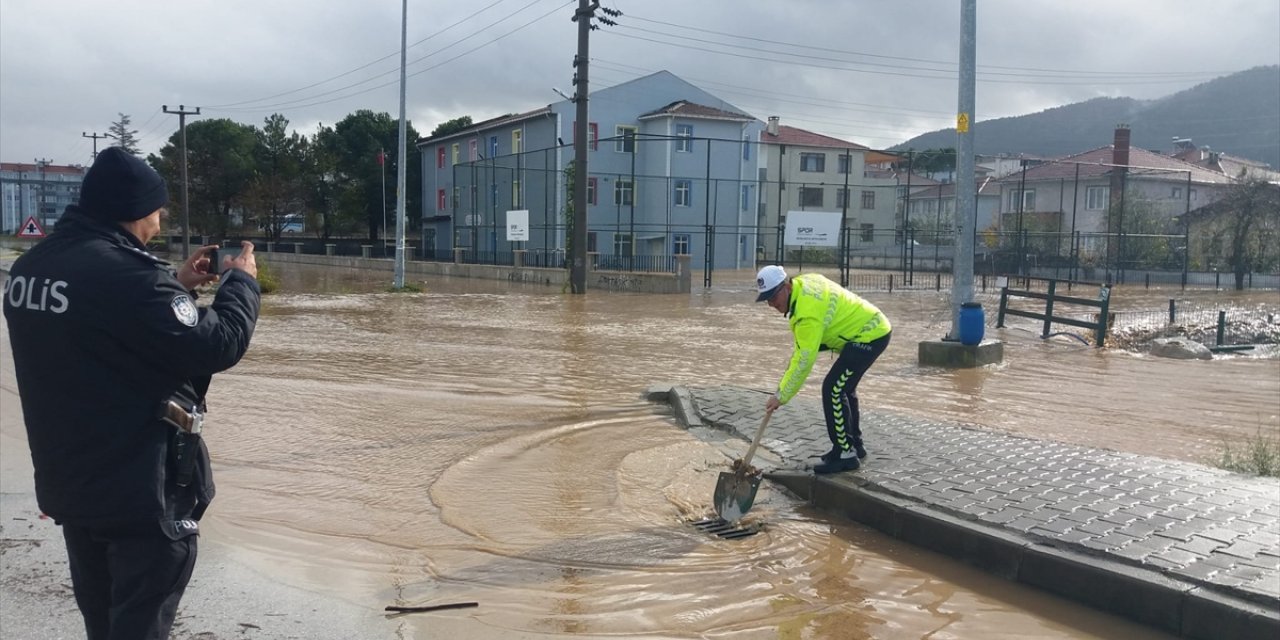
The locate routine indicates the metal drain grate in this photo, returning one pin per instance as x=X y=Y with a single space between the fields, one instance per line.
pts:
x=726 y=530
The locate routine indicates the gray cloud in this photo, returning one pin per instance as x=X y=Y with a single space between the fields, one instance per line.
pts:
x=871 y=72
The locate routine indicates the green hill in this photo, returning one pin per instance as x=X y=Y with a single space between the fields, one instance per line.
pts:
x=1237 y=114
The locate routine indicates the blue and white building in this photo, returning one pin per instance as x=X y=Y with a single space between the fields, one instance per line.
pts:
x=672 y=170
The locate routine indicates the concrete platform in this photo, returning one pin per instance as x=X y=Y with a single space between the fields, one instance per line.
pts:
x=1188 y=549
x=944 y=353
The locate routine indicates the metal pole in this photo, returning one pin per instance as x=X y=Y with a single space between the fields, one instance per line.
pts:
x=382 y=164
x=578 y=270
x=844 y=220
x=632 y=231
x=1186 y=233
x=1075 y=198
x=966 y=214
x=906 y=211
x=706 y=257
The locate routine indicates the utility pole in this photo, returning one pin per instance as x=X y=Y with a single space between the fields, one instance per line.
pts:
x=583 y=15
x=96 y=138
x=398 y=278
x=182 y=114
x=966 y=210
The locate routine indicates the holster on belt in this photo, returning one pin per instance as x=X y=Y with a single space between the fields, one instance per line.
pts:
x=188 y=424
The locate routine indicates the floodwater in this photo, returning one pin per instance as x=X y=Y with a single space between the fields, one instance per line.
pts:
x=487 y=442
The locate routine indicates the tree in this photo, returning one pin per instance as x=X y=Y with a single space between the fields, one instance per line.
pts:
x=221 y=164
x=124 y=137
x=320 y=183
x=278 y=188
x=1245 y=223
x=451 y=126
x=358 y=139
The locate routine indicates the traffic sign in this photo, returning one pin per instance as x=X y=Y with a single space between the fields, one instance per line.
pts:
x=31 y=229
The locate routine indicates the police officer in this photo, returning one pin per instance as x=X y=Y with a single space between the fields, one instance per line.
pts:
x=825 y=316
x=112 y=356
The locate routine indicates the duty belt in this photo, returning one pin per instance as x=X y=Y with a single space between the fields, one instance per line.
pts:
x=189 y=425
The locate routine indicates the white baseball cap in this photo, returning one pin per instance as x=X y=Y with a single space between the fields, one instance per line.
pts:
x=768 y=281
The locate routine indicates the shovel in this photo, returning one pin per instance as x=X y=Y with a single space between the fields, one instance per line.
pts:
x=736 y=490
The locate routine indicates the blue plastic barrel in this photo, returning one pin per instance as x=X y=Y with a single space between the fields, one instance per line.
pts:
x=971 y=323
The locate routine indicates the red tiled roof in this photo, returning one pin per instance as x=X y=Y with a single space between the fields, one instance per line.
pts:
x=686 y=109
x=51 y=168
x=985 y=186
x=1097 y=163
x=803 y=138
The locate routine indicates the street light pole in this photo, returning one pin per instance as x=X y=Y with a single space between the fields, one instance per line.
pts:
x=402 y=156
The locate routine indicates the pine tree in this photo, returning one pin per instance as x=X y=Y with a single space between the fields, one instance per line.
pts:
x=124 y=137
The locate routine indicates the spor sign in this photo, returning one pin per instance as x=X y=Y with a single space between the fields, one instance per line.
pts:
x=813 y=228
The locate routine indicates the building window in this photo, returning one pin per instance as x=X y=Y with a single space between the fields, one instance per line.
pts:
x=591 y=190
x=515 y=194
x=591 y=242
x=516 y=141
x=1192 y=194
x=493 y=146
x=868 y=232
x=813 y=162
x=1175 y=193
x=593 y=134
x=746 y=197
x=868 y=199
x=622 y=244
x=626 y=139
x=746 y=147
x=457 y=197
x=684 y=138
x=684 y=192
x=622 y=193
x=441 y=200
x=845 y=163
x=440 y=158
x=680 y=244
x=1028 y=199
x=842 y=198
x=811 y=196
x=474 y=149
x=456 y=152
x=1094 y=198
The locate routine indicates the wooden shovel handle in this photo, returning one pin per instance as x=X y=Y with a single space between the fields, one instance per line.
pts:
x=755 y=442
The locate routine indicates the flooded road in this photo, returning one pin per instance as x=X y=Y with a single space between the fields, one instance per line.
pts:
x=487 y=442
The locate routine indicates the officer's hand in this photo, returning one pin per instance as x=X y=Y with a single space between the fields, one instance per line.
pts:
x=195 y=271
x=245 y=261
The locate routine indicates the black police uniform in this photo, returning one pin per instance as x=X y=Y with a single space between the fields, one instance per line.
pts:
x=103 y=335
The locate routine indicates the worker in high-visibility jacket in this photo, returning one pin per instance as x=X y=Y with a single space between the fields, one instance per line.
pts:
x=825 y=316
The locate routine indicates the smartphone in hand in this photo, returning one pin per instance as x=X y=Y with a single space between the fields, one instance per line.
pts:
x=215 y=266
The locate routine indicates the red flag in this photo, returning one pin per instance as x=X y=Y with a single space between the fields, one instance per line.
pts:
x=380 y=158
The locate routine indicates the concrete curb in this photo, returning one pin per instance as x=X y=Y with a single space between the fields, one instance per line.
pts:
x=1143 y=595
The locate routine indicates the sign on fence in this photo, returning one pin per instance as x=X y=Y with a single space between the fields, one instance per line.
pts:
x=518 y=225
x=813 y=228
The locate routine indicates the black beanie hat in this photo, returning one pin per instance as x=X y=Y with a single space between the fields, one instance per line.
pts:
x=119 y=186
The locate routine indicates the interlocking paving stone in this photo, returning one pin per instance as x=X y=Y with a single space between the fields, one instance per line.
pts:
x=1205 y=526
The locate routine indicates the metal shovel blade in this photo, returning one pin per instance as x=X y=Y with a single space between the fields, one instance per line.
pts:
x=734 y=494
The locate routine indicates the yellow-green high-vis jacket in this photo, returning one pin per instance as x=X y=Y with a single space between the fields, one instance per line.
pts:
x=824 y=316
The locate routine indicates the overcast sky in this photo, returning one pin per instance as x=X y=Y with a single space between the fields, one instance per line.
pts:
x=872 y=72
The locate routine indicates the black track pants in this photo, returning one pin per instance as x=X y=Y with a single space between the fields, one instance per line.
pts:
x=840 y=391
x=128 y=582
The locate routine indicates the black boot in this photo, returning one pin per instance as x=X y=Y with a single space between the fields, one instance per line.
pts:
x=834 y=453
x=839 y=464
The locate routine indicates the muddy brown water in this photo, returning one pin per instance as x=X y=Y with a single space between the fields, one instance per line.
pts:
x=487 y=442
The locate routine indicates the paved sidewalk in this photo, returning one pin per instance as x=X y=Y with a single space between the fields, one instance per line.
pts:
x=1183 y=547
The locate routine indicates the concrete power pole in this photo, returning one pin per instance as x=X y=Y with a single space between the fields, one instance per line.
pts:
x=398 y=275
x=966 y=213
x=96 y=138
x=578 y=269
x=182 y=114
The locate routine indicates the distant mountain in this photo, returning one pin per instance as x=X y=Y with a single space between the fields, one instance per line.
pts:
x=1237 y=114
